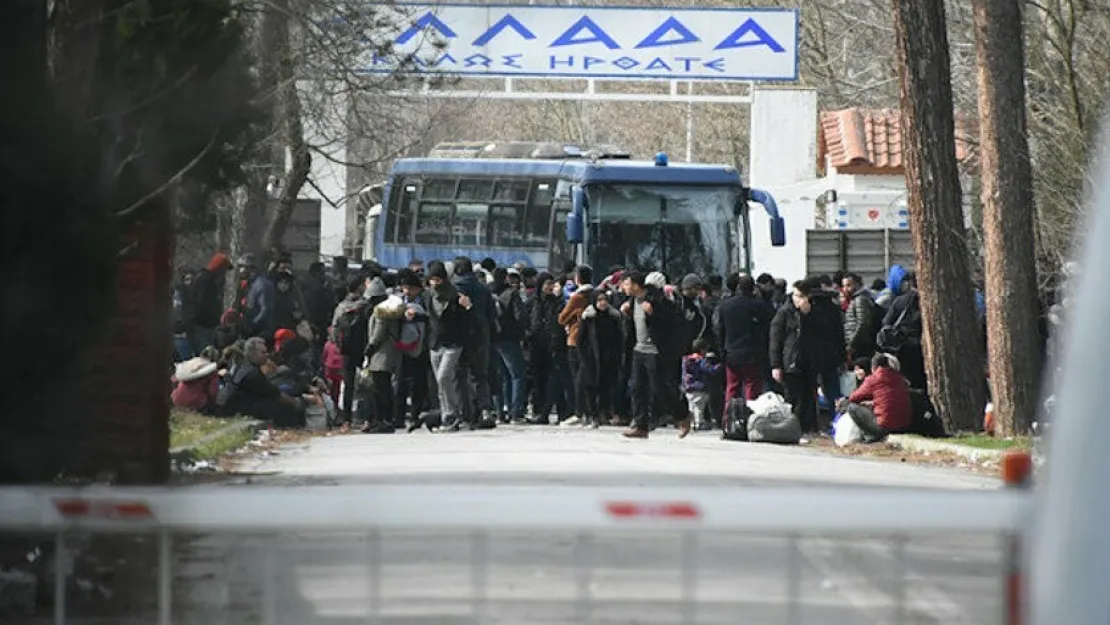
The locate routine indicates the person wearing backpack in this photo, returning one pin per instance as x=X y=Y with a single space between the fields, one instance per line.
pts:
x=350 y=329
x=416 y=363
x=382 y=355
x=901 y=333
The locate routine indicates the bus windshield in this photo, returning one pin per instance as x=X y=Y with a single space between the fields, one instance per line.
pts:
x=676 y=229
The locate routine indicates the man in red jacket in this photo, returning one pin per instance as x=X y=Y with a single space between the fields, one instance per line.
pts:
x=881 y=405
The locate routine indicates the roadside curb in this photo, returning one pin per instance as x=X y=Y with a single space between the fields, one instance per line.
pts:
x=188 y=452
x=912 y=443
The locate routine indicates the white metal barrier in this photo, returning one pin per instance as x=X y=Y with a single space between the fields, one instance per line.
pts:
x=347 y=554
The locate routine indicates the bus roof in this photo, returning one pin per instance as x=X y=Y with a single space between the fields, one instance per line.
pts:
x=575 y=170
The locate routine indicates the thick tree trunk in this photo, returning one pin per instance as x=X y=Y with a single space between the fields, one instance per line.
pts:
x=953 y=353
x=1008 y=213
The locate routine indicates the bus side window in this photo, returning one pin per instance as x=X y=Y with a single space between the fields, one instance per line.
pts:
x=505 y=225
x=469 y=227
x=433 y=224
x=538 y=218
x=401 y=213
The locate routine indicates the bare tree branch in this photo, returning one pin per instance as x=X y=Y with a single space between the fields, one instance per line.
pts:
x=169 y=184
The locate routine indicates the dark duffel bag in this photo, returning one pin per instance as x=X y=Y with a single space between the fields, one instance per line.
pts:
x=734 y=423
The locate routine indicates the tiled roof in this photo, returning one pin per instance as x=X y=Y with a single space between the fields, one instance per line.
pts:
x=869 y=140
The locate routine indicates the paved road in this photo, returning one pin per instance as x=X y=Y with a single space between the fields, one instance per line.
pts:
x=565 y=578
x=580 y=456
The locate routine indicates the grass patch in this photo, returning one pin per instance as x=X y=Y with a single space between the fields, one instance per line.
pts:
x=222 y=444
x=982 y=441
x=189 y=428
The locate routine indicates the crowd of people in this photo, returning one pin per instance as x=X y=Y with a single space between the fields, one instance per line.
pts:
x=457 y=345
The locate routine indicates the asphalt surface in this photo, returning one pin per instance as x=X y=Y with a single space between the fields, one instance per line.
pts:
x=451 y=578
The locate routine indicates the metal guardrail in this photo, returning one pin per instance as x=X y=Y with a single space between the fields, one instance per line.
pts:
x=470 y=554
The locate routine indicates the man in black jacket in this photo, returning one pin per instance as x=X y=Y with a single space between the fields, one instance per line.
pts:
x=827 y=335
x=861 y=319
x=905 y=314
x=319 y=301
x=476 y=354
x=791 y=352
x=743 y=325
x=550 y=364
x=651 y=321
x=512 y=319
x=207 y=301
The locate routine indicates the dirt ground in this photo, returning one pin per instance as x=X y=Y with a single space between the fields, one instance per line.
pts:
x=893 y=453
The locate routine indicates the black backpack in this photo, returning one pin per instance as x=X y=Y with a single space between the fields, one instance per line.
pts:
x=352 y=331
x=925 y=421
x=734 y=423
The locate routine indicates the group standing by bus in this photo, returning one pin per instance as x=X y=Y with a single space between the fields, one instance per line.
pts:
x=457 y=345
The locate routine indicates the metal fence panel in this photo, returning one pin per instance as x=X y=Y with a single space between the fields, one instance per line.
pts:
x=498 y=555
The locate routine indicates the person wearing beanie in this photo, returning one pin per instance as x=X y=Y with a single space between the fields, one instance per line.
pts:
x=697 y=323
x=437 y=269
x=350 y=326
x=382 y=355
x=282 y=336
x=450 y=322
x=476 y=356
x=206 y=297
x=411 y=399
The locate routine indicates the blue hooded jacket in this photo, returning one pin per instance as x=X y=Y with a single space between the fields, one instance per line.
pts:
x=893 y=286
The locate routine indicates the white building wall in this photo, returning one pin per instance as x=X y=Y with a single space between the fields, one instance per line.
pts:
x=783 y=154
x=326 y=130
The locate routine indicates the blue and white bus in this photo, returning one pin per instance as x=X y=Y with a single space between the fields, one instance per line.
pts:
x=680 y=218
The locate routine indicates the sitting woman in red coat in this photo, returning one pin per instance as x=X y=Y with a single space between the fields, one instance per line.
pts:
x=881 y=405
x=196 y=383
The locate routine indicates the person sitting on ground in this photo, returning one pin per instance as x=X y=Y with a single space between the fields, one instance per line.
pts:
x=197 y=382
x=881 y=405
x=248 y=392
x=861 y=368
x=294 y=366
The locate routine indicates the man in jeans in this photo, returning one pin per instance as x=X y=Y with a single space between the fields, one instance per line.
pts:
x=651 y=322
x=512 y=319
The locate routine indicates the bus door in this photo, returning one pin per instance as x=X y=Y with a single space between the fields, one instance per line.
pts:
x=559 y=250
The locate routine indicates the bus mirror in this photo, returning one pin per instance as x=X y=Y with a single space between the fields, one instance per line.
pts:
x=778 y=232
x=574 y=228
x=577 y=217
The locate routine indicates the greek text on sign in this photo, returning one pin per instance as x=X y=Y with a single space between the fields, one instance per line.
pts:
x=596 y=42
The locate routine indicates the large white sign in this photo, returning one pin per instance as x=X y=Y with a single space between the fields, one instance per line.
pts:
x=594 y=42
